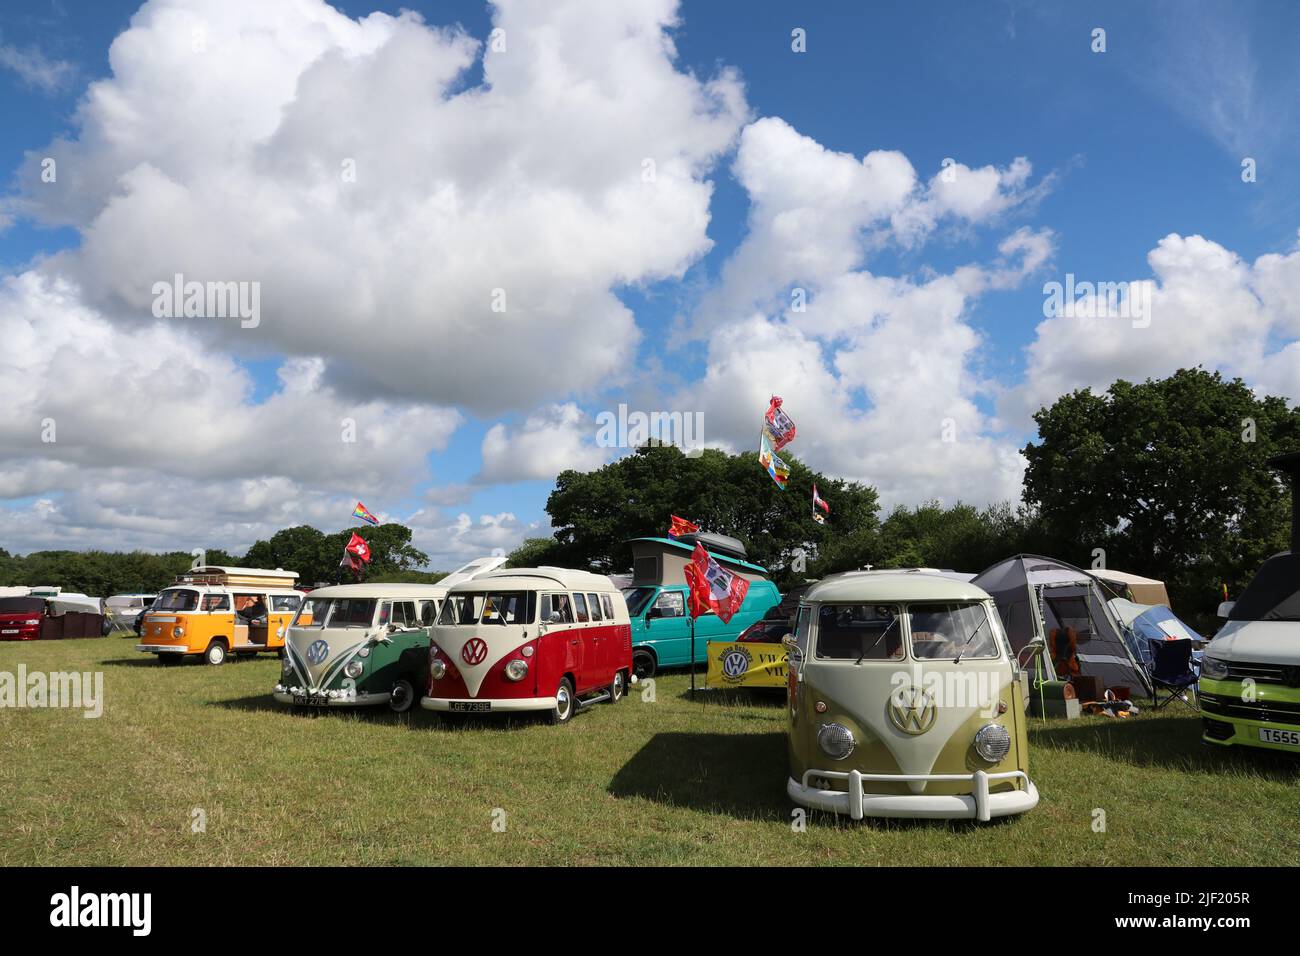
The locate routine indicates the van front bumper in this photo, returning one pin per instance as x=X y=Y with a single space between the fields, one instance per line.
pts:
x=494 y=704
x=979 y=804
x=163 y=649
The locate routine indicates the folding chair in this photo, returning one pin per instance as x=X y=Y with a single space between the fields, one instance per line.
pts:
x=1171 y=670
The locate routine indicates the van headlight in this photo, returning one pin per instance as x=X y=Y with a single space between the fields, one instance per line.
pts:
x=992 y=742
x=517 y=669
x=286 y=666
x=178 y=631
x=437 y=669
x=1214 y=668
x=836 y=740
x=354 y=668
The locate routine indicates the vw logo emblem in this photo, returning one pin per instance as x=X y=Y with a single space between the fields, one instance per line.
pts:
x=735 y=663
x=474 y=651
x=317 y=652
x=911 y=710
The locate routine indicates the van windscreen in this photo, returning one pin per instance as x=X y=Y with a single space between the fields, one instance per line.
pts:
x=637 y=599
x=856 y=632
x=177 y=599
x=21 y=605
x=486 y=607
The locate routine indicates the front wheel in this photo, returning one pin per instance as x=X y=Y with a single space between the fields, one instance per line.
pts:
x=565 y=704
x=643 y=663
x=403 y=697
x=618 y=688
x=215 y=654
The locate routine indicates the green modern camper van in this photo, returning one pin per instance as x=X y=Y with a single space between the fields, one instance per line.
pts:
x=657 y=600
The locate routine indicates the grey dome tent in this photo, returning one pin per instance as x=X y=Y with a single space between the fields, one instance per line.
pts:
x=1038 y=596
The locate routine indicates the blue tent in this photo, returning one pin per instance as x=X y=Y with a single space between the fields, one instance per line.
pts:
x=1142 y=623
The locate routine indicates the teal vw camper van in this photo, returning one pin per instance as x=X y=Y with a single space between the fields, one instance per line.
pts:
x=657 y=600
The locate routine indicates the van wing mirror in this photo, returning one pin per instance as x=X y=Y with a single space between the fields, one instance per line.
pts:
x=1225 y=609
x=788 y=642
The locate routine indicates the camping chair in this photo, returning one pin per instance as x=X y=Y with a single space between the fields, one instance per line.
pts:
x=1171 y=669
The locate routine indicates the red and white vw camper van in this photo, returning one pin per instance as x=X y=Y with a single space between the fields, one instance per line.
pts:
x=542 y=639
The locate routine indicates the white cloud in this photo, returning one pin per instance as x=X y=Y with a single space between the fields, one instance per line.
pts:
x=232 y=163
x=1208 y=307
x=556 y=438
x=878 y=371
x=36 y=69
x=451 y=541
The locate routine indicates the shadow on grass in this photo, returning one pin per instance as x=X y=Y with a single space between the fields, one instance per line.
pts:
x=738 y=774
x=416 y=717
x=1172 y=742
x=742 y=775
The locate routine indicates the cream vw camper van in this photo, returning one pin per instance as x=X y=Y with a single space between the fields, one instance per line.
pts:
x=904 y=700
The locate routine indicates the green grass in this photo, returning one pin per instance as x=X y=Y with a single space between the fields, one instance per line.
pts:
x=669 y=782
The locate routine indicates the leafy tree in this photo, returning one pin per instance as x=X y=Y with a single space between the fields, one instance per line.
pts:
x=1169 y=477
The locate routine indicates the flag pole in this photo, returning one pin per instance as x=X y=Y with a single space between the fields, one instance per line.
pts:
x=692 y=657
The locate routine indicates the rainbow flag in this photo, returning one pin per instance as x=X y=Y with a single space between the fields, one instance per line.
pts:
x=362 y=512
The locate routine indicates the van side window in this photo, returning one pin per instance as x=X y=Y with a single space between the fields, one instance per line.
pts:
x=593 y=602
x=608 y=604
x=580 y=603
x=670 y=604
x=871 y=632
x=385 y=613
x=216 y=602
x=556 y=609
x=285 y=602
x=428 y=611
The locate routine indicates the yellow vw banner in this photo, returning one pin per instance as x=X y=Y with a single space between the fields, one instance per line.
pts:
x=733 y=664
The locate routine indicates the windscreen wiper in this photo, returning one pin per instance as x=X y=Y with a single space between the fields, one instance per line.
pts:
x=875 y=642
x=957 y=660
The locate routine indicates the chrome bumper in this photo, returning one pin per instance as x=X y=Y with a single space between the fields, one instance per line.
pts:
x=979 y=804
x=164 y=649
x=315 y=700
x=498 y=704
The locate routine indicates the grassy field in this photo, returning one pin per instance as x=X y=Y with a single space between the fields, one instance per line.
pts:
x=668 y=782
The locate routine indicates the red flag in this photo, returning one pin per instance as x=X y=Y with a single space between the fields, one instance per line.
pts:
x=681 y=526
x=358 y=547
x=713 y=586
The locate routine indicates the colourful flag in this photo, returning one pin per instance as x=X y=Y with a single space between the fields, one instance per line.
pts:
x=362 y=512
x=713 y=586
x=768 y=458
x=819 y=502
x=681 y=526
x=778 y=424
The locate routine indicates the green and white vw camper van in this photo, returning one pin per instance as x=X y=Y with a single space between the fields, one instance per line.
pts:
x=365 y=644
x=905 y=700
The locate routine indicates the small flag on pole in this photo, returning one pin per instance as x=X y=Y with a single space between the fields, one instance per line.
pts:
x=681 y=526
x=356 y=555
x=778 y=424
x=819 y=502
x=362 y=512
x=768 y=458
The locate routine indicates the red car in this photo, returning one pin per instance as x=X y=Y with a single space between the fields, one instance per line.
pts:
x=21 y=618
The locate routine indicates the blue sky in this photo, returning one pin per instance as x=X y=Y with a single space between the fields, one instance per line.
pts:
x=1127 y=147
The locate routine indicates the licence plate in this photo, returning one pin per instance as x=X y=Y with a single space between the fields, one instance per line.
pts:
x=1269 y=735
x=9 y=630
x=470 y=706
x=305 y=701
